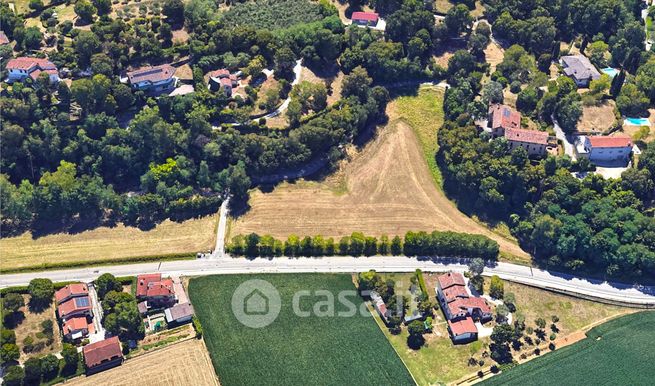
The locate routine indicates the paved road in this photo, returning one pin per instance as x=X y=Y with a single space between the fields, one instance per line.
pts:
x=597 y=289
x=569 y=147
x=297 y=69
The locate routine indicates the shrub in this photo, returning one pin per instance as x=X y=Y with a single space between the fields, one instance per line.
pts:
x=197 y=326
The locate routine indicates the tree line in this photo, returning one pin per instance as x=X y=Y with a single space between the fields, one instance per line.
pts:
x=450 y=244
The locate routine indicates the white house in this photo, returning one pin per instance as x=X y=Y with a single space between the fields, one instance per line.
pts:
x=158 y=78
x=605 y=149
x=19 y=69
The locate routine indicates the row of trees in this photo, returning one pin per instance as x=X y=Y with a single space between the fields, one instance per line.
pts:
x=357 y=244
x=121 y=316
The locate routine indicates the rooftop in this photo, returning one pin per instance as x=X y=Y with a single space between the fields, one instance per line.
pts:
x=178 y=311
x=619 y=141
x=504 y=116
x=99 y=352
x=579 y=67
x=367 y=16
x=151 y=74
x=71 y=290
x=454 y=292
x=462 y=326
x=527 y=136
x=75 y=324
x=450 y=279
x=25 y=63
x=74 y=304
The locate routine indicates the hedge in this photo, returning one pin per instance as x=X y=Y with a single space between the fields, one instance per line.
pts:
x=450 y=244
x=421 y=282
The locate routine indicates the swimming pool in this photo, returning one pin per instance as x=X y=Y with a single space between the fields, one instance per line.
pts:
x=612 y=72
x=636 y=122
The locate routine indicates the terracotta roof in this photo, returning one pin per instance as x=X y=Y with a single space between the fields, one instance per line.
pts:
x=71 y=290
x=455 y=292
x=367 y=16
x=527 y=136
x=82 y=303
x=144 y=280
x=75 y=324
x=151 y=74
x=223 y=72
x=619 y=141
x=226 y=82
x=450 y=279
x=504 y=116
x=3 y=38
x=179 y=311
x=99 y=352
x=462 y=326
x=25 y=63
x=162 y=288
x=461 y=305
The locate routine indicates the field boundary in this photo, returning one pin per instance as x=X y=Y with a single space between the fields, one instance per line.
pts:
x=87 y=263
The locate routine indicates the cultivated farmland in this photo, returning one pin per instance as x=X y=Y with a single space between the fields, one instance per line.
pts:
x=102 y=245
x=389 y=187
x=185 y=363
x=619 y=352
x=294 y=350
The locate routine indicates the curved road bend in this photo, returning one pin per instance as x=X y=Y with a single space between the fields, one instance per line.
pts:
x=643 y=296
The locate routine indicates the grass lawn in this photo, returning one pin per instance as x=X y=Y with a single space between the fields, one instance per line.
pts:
x=619 y=352
x=294 y=350
x=439 y=361
x=424 y=113
x=102 y=245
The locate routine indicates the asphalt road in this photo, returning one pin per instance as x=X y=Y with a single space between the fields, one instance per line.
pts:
x=643 y=296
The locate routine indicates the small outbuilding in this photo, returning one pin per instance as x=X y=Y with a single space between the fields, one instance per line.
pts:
x=179 y=313
x=102 y=355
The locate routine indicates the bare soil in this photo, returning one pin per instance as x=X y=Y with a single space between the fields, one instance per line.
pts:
x=31 y=325
x=597 y=118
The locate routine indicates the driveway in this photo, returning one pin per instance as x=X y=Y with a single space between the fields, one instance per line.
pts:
x=99 y=333
x=567 y=140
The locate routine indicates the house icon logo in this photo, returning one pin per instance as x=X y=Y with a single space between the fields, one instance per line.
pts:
x=256 y=303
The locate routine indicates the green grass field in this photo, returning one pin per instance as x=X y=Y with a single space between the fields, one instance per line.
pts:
x=273 y=15
x=294 y=350
x=619 y=352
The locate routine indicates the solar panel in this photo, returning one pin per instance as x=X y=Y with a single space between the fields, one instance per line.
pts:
x=82 y=302
x=506 y=112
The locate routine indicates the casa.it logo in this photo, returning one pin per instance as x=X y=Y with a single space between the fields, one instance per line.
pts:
x=256 y=303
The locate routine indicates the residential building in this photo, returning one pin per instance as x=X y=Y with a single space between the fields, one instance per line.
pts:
x=77 y=328
x=102 y=355
x=367 y=19
x=460 y=308
x=223 y=80
x=580 y=69
x=78 y=306
x=156 y=291
x=179 y=313
x=21 y=68
x=533 y=141
x=380 y=306
x=501 y=118
x=3 y=38
x=157 y=78
x=70 y=291
x=463 y=330
x=601 y=149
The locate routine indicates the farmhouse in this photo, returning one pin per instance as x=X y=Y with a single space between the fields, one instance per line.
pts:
x=533 y=141
x=460 y=308
x=605 y=149
x=223 y=79
x=77 y=328
x=73 y=307
x=367 y=19
x=3 y=38
x=70 y=291
x=580 y=69
x=102 y=355
x=380 y=306
x=155 y=291
x=21 y=68
x=158 y=78
x=501 y=118
x=179 y=313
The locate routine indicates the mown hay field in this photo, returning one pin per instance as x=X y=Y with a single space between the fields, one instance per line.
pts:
x=619 y=352
x=184 y=363
x=294 y=350
x=104 y=244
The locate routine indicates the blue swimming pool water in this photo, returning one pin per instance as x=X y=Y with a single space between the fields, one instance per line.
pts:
x=612 y=72
x=637 y=121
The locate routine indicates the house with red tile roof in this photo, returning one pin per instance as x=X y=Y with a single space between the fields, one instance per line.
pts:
x=71 y=291
x=601 y=149
x=533 y=141
x=77 y=328
x=153 y=78
x=3 y=38
x=367 y=19
x=21 y=68
x=501 y=118
x=102 y=355
x=154 y=290
x=223 y=80
x=460 y=308
x=78 y=306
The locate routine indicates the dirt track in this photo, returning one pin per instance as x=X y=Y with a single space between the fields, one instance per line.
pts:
x=185 y=363
x=386 y=189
